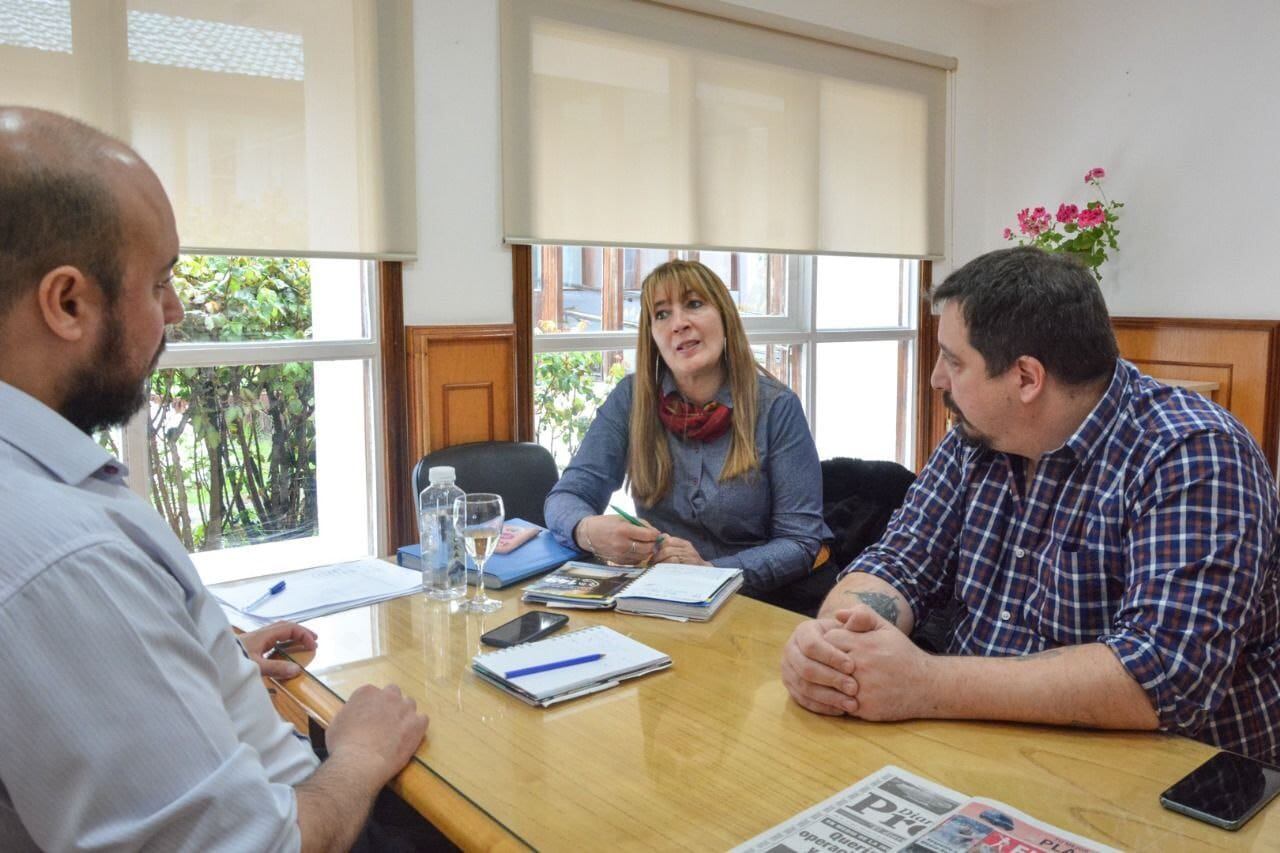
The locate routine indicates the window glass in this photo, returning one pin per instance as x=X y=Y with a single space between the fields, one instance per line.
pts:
x=235 y=299
x=862 y=399
x=234 y=453
x=257 y=443
x=587 y=289
x=863 y=292
x=838 y=331
x=568 y=387
x=785 y=362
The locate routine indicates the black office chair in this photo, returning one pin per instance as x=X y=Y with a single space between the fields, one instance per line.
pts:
x=858 y=497
x=521 y=472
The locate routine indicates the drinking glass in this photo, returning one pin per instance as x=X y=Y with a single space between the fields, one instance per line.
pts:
x=478 y=517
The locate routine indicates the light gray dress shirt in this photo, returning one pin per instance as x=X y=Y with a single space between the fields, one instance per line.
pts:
x=130 y=716
x=767 y=522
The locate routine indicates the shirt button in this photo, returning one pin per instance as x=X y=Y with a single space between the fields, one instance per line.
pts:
x=1006 y=615
x=1019 y=553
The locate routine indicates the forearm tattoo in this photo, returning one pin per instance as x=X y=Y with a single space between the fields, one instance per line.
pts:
x=884 y=604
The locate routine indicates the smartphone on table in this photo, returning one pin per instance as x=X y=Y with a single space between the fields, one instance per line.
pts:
x=525 y=628
x=1225 y=791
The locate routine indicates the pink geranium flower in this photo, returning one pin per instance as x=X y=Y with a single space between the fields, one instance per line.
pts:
x=1092 y=217
x=1087 y=234
x=1024 y=220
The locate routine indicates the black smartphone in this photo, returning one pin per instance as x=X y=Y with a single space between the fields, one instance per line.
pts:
x=526 y=628
x=1225 y=791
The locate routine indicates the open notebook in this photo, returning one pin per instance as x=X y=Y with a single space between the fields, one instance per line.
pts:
x=677 y=591
x=623 y=658
x=670 y=590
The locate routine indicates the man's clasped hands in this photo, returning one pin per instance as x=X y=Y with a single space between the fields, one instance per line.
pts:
x=856 y=662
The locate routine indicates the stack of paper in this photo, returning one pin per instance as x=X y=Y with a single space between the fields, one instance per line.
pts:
x=677 y=591
x=568 y=666
x=315 y=592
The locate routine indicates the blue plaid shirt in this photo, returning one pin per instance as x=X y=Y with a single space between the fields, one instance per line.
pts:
x=1152 y=530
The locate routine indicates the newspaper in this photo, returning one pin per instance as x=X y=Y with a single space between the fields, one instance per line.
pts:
x=894 y=810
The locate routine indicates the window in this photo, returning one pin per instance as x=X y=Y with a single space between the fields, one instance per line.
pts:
x=257 y=445
x=839 y=331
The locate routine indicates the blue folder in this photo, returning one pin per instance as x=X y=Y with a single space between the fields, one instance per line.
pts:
x=540 y=554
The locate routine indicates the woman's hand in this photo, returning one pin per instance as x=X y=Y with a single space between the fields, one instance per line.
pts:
x=673 y=549
x=613 y=538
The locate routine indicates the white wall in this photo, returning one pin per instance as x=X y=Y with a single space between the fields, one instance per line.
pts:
x=1176 y=99
x=1173 y=97
x=463 y=274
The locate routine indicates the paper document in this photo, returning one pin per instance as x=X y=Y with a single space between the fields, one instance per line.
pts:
x=324 y=589
x=678 y=582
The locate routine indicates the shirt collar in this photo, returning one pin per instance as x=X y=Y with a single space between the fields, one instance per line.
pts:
x=51 y=440
x=1093 y=431
x=724 y=396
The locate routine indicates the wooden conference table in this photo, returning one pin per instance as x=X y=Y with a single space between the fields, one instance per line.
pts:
x=711 y=752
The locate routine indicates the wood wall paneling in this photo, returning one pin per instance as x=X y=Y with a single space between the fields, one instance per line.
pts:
x=460 y=387
x=1242 y=357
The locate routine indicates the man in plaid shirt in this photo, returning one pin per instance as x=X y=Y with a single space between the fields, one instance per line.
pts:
x=1111 y=542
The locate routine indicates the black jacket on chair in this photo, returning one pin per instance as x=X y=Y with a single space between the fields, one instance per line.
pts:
x=858 y=498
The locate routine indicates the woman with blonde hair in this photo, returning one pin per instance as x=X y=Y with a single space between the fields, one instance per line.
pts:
x=716 y=452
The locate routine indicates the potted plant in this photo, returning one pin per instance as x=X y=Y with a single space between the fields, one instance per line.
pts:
x=1086 y=234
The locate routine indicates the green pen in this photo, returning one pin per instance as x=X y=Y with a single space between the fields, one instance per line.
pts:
x=628 y=516
x=657 y=544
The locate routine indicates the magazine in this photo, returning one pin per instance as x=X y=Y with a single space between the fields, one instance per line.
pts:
x=669 y=590
x=893 y=810
x=583 y=585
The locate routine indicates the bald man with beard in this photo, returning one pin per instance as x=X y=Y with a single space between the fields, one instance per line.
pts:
x=130 y=716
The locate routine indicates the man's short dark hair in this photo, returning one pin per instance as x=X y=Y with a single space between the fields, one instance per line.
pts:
x=50 y=215
x=1026 y=301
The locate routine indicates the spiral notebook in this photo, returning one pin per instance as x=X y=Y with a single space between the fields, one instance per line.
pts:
x=676 y=591
x=623 y=658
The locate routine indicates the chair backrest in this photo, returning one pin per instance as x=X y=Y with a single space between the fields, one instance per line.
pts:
x=858 y=497
x=521 y=472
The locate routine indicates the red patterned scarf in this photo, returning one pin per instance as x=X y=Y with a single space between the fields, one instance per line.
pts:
x=699 y=423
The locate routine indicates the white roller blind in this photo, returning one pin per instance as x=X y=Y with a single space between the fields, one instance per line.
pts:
x=277 y=128
x=631 y=123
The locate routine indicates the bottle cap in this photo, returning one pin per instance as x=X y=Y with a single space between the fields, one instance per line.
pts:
x=441 y=474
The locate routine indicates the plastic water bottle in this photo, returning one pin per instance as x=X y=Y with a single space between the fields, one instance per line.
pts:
x=443 y=559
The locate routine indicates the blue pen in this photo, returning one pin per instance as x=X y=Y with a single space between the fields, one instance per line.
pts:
x=545 y=667
x=276 y=589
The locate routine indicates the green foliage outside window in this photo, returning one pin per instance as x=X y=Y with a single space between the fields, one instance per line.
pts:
x=233 y=448
x=568 y=387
